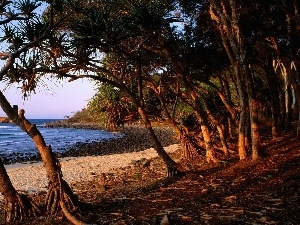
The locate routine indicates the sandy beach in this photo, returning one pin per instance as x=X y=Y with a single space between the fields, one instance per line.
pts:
x=92 y=160
x=31 y=178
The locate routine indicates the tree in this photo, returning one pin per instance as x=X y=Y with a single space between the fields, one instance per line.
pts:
x=226 y=17
x=23 y=40
x=109 y=28
x=110 y=107
x=18 y=207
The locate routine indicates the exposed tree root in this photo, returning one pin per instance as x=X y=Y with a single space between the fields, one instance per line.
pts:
x=20 y=208
x=61 y=197
x=175 y=171
x=210 y=157
x=226 y=152
x=190 y=148
x=60 y=191
x=69 y=215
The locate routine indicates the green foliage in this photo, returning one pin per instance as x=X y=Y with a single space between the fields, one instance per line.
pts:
x=109 y=107
x=105 y=97
x=81 y=117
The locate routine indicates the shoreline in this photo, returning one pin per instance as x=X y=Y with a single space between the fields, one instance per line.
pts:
x=32 y=178
x=93 y=159
x=134 y=138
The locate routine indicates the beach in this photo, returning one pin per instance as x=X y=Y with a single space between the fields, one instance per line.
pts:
x=30 y=178
x=93 y=159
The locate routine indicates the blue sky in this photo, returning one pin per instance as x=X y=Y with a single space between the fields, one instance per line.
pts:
x=57 y=100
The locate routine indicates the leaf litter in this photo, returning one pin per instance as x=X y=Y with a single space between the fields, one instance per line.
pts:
x=235 y=192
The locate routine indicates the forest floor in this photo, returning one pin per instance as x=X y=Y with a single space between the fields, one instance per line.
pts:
x=231 y=192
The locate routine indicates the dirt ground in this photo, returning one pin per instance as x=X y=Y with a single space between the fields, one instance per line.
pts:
x=231 y=192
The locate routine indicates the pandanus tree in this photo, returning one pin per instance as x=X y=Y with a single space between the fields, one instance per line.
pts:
x=283 y=42
x=177 y=53
x=226 y=16
x=145 y=29
x=140 y=29
x=23 y=34
x=112 y=30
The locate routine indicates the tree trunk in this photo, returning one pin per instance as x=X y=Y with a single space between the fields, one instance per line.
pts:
x=255 y=138
x=218 y=125
x=189 y=148
x=275 y=98
x=225 y=14
x=205 y=132
x=241 y=134
x=58 y=189
x=172 y=166
x=18 y=207
x=243 y=115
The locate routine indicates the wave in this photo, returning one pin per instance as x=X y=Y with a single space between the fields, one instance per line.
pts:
x=15 y=142
x=6 y=134
x=5 y=126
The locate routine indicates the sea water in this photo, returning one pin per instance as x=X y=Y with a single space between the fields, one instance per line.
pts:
x=14 y=142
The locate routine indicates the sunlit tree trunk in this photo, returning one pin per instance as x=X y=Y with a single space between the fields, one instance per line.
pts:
x=243 y=114
x=225 y=14
x=201 y=117
x=58 y=190
x=219 y=127
x=253 y=110
x=189 y=148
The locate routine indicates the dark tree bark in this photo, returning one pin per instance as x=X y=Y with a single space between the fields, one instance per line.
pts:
x=219 y=127
x=172 y=167
x=18 y=207
x=202 y=119
x=189 y=147
x=275 y=98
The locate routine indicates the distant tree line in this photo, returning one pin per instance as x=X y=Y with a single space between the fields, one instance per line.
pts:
x=221 y=73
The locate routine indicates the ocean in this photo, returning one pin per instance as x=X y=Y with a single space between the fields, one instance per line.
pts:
x=16 y=143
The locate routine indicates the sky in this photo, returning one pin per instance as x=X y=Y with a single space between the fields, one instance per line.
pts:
x=58 y=100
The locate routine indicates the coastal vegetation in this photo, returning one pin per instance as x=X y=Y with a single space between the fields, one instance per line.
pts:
x=223 y=74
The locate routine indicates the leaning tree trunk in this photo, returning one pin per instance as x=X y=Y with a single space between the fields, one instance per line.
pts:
x=219 y=127
x=202 y=119
x=18 y=207
x=172 y=167
x=189 y=148
x=59 y=192
x=210 y=157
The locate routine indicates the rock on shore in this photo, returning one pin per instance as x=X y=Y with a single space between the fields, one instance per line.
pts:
x=135 y=138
